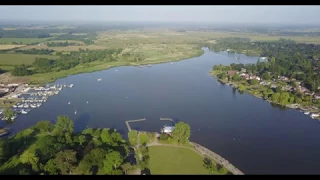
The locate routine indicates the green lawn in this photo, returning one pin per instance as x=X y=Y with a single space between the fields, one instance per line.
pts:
x=18 y=59
x=175 y=160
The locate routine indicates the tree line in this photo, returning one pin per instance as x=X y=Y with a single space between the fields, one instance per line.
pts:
x=287 y=58
x=50 y=149
x=66 y=61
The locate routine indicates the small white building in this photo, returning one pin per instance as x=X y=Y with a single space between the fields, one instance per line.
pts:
x=167 y=129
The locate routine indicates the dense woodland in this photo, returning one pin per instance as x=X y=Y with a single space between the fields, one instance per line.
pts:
x=287 y=58
x=48 y=148
x=67 y=61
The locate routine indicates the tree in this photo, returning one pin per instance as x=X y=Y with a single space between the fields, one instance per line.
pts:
x=65 y=161
x=266 y=76
x=236 y=77
x=241 y=88
x=297 y=100
x=106 y=136
x=112 y=161
x=63 y=126
x=8 y=113
x=51 y=167
x=253 y=81
x=212 y=168
x=43 y=126
x=82 y=139
x=181 y=132
x=92 y=162
x=4 y=150
x=275 y=97
x=284 y=97
x=30 y=157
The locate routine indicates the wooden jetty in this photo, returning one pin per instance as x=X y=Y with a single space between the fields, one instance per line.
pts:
x=130 y=121
x=167 y=119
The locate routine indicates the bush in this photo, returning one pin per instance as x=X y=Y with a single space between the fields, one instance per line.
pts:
x=164 y=137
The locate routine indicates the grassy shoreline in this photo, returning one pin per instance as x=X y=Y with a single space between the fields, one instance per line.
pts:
x=42 y=78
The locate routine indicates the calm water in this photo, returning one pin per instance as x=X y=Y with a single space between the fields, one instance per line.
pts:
x=250 y=133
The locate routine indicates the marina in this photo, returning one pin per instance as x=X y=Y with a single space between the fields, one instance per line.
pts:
x=34 y=97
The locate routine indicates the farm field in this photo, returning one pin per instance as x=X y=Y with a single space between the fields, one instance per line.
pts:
x=18 y=59
x=22 y=40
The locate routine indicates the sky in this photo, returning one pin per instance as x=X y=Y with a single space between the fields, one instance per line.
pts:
x=227 y=14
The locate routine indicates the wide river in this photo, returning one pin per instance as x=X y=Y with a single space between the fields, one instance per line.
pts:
x=250 y=133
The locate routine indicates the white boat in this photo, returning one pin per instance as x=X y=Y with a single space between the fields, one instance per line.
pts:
x=314 y=115
x=149 y=65
x=23 y=111
x=306 y=113
x=87 y=102
x=71 y=85
x=69 y=102
x=116 y=70
x=99 y=79
x=75 y=112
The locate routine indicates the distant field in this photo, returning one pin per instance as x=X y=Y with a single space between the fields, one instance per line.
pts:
x=175 y=160
x=66 y=48
x=22 y=40
x=9 y=46
x=18 y=59
x=69 y=41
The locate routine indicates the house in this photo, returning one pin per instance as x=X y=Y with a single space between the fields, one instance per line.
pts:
x=12 y=85
x=167 y=129
x=273 y=86
x=243 y=70
x=307 y=92
x=231 y=72
x=316 y=96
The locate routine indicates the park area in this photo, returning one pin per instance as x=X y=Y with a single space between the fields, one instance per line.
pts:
x=175 y=160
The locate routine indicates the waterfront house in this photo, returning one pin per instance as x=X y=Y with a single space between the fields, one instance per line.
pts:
x=316 y=96
x=231 y=72
x=307 y=92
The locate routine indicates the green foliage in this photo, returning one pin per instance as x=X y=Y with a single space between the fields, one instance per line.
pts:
x=8 y=113
x=43 y=126
x=38 y=151
x=63 y=126
x=4 y=150
x=253 y=81
x=66 y=161
x=241 y=88
x=21 y=71
x=181 y=132
x=144 y=139
x=164 y=137
x=112 y=161
x=133 y=137
x=266 y=76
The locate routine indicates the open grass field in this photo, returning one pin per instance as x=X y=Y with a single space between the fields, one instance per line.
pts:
x=9 y=46
x=22 y=40
x=18 y=59
x=61 y=49
x=175 y=160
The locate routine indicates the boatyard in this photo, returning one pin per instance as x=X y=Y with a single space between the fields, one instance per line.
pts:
x=31 y=97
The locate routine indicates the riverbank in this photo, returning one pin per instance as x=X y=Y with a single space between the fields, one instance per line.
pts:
x=257 y=91
x=42 y=78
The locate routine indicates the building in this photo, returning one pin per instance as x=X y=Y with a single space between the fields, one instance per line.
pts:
x=167 y=129
x=231 y=72
x=316 y=96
